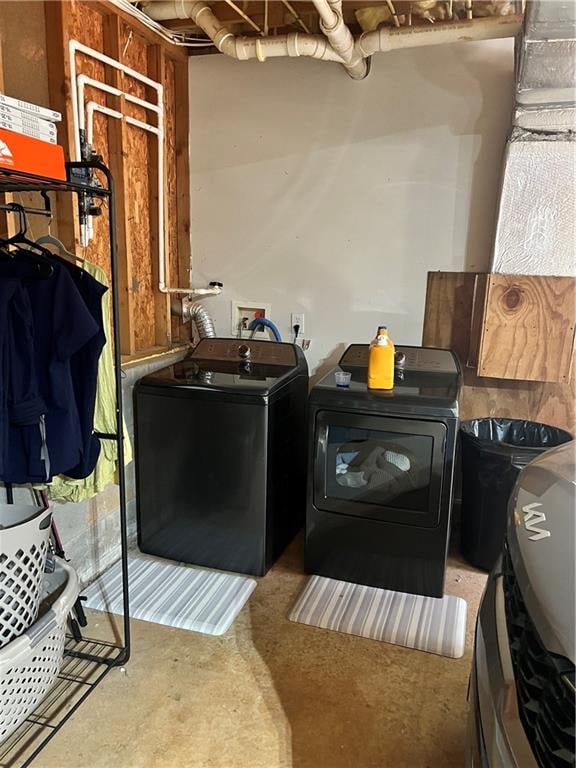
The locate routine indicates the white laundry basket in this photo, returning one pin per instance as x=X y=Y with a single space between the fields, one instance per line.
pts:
x=30 y=664
x=24 y=534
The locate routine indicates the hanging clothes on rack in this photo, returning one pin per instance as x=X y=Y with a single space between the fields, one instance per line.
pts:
x=64 y=488
x=84 y=369
x=14 y=309
x=84 y=364
x=60 y=329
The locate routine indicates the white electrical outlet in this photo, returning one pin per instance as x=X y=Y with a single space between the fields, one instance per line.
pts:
x=297 y=318
x=243 y=313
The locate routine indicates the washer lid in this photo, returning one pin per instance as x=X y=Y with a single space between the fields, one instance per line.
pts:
x=233 y=365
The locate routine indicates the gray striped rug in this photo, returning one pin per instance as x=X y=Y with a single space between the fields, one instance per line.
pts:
x=175 y=595
x=436 y=625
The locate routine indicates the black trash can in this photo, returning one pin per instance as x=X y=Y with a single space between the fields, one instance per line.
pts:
x=493 y=453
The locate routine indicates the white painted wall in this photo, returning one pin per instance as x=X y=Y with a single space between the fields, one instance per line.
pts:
x=335 y=198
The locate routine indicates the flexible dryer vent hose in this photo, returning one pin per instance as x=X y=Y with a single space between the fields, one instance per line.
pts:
x=202 y=320
x=197 y=313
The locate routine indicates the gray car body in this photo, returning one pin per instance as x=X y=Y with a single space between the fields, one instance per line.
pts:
x=541 y=542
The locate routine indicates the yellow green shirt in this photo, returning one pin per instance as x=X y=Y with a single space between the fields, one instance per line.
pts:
x=64 y=488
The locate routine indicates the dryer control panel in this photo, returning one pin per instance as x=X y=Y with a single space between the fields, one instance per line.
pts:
x=422 y=359
x=247 y=350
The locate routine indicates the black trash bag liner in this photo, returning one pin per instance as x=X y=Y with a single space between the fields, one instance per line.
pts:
x=494 y=451
x=515 y=432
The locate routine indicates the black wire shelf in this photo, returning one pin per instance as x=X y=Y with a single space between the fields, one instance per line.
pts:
x=12 y=180
x=85 y=665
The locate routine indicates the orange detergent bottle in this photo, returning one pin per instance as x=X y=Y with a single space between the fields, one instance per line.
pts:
x=381 y=361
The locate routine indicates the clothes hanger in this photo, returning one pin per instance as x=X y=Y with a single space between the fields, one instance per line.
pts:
x=33 y=253
x=40 y=267
x=49 y=239
x=19 y=238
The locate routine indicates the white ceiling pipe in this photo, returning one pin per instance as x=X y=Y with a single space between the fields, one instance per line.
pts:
x=167 y=9
x=293 y=44
x=388 y=39
x=327 y=12
x=340 y=37
x=261 y=48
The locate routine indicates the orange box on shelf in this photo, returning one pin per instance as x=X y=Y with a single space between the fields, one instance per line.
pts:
x=23 y=153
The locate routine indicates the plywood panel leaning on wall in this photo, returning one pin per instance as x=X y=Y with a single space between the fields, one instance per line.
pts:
x=528 y=328
x=448 y=322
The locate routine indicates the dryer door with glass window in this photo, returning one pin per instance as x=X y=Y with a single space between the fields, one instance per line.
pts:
x=379 y=467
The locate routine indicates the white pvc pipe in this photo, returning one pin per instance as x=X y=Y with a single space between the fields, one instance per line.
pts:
x=94 y=54
x=388 y=39
x=139 y=124
x=83 y=81
x=239 y=47
x=93 y=107
x=214 y=290
x=341 y=39
x=79 y=84
x=75 y=47
x=328 y=14
x=169 y=9
x=342 y=48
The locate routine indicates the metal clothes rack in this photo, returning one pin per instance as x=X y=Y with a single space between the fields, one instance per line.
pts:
x=86 y=663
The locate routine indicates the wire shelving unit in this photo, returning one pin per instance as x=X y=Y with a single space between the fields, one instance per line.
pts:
x=88 y=661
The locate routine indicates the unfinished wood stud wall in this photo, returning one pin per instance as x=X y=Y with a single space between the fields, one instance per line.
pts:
x=132 y=156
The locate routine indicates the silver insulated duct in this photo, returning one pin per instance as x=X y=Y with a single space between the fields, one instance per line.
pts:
x=202 y=320
x=194 y=311
x=535 y=229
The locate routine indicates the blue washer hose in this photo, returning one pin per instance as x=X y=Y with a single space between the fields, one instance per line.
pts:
x=262 y=322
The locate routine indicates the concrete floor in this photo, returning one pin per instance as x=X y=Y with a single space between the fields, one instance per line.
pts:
x=273 y=694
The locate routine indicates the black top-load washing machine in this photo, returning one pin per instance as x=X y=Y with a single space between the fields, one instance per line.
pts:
x=221 y=454
x=380 y=472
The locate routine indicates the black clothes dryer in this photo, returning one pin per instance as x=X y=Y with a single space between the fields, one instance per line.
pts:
x=380 y=473
x=221 y=455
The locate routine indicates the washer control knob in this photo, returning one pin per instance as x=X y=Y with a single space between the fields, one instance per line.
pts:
x=244 y=351
x=399 y=360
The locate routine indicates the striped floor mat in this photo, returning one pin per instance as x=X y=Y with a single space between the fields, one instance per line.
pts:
x=175 y=595
x=425 y=623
